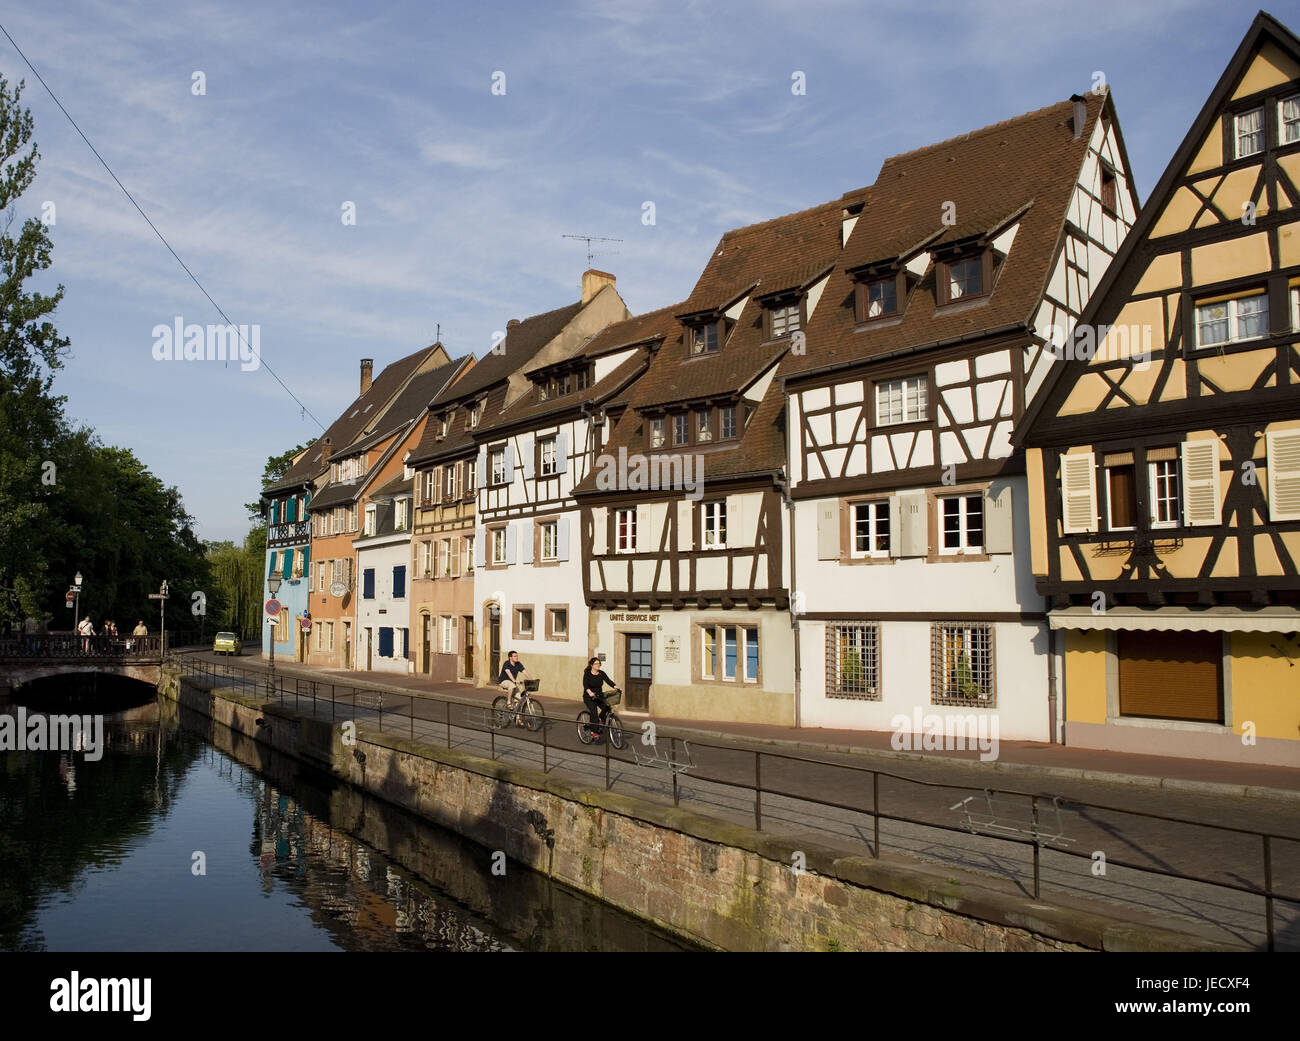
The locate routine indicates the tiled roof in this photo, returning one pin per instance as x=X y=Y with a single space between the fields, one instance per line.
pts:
x=409 y=405
x=459 y=439
x=1024 y=168
x=354 y=418
x=396 y=486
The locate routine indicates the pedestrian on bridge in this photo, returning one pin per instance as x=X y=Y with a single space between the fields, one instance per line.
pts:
x=87 y=630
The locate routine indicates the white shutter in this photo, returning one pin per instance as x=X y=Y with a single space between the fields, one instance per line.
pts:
x=525 y=542
x=1201 y=503
x=510 y=543
x=828 y=530
x=997 y=521
x=510 y=464
x=895 y=526
x=685 y=524
x=562 y=452
x=1078 y=493
x=480 y=469
x=480 y=547
x=526 y=448
x=913 y=536
x=599 y=531
x=737 y=533
x=647 y=540
x=562 y=539
x=1283 y=474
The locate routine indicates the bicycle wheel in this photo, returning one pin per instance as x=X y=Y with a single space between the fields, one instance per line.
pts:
x=500 y=715
x=615 y=730
x=584 y=724
x=533 y=716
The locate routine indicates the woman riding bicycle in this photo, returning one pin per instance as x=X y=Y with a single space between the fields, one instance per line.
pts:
x=594 y=680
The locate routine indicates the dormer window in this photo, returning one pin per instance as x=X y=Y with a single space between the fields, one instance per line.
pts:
x=1108 y=194
x=881 y=298
x=964 y=278
x=704 y=425
x=704 y=339
x=681 y=429
x=785 y=319
x=474 y=411
x=657 y=435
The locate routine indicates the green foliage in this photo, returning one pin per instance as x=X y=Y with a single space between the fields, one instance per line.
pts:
x=853 y=672
x=276 y=467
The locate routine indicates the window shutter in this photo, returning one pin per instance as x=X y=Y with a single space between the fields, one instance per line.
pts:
x=737 y=533
x=828 y=530
x=525 y=541
x=912 y=513
x=647 y=541
x=288 y=563
x=895 y=526
x=1078 y=493
x=997 y=521
x=385 y=641
x=1283 y=474
x=685 y=524
x=1201 y=503
x=406 y=643
x=510 y=543
x=510 y=463
x=562 y=452
x=271 y=569
x=562 y=538
x=275 y=511
x=399 y=582
x=599 y=532
x=480 y=469
x=368 y=584
x=480 y=534
x=528 y=448
x=290 y=512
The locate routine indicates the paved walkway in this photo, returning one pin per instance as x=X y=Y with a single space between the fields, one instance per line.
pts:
x=825 y=803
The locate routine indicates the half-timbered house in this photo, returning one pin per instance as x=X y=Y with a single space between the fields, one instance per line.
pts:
x=914 y=602
x=1166 y=487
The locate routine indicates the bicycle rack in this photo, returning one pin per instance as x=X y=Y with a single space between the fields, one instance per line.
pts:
x=669 y=760
x=1003 y=816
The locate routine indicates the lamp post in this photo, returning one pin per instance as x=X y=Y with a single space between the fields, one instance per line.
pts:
x=76 y=585
x=273 y=586
x=161 y=596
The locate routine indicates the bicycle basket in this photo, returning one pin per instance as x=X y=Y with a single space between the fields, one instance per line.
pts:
x=614 y=698
x=532 y=685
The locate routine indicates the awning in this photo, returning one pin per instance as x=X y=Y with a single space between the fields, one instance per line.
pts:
x=1181 y=619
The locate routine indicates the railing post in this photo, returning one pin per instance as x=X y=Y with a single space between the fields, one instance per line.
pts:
x=545 y=765
x=607 y=757
x=875 y=813
x=448 y=704
x=412 y=711
x=672 y=755
x=1268 y=890
x=1033 y=806
x=758 y=791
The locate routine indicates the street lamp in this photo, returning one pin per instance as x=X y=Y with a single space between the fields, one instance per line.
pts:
x=76 y=585
x=273 y=586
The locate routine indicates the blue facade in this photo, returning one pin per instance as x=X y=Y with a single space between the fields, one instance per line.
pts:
x=288 y=556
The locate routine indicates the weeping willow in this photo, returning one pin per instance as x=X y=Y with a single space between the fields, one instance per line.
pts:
x=237 y=575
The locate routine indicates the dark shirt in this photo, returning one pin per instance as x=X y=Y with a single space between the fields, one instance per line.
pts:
x=592 y=682
x=510 y=673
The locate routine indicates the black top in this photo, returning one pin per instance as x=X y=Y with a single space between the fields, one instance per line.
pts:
x=592 y=682
x=510 y=673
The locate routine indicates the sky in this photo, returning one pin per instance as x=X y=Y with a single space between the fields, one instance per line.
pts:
x=469 y=139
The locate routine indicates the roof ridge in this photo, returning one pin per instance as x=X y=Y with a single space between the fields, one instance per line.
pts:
x=971 y=134
x=839 y=202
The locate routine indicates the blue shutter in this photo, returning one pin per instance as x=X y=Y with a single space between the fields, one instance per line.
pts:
x=275 y=511
x=562 y=452
x=385 y=642
x=274 y=555
x=399 y=582
x=406 y=643
x=288 y=562
x=368 y=584
x=562 y=539
x=291 y=509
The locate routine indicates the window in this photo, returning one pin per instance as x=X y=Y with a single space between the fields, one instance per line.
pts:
x=785 y=320
x=727 y=422
x=448 y=634
x=470 y=477
x=1166 y=501
x=704 y=338
x=329 y=636
x=853 y=661
x=447 y=557
x=965 y=278
x=902 y=401
x=498 y=466
x=1231 y=321
x=961 y=658
x=498 y=545
x=399 y=582
x=1108 y=194
x=370 y=520
x=870 y=529
x=1289 y=121
x=475 y=410
x=625 y=531
x=385 y=642
x=399 y=515
x=582 y=379
x=523 y=621
x=715 y=524
x=703 y=425
x=468 y=541
x=546 y=456
x=557 y=623
x=1249 y=132
x=449 y=473
x=429 y=487
x=963 y=524
x=708 y=655
x=368 y=584
x=657 y=433
x=426 y=557
x=1121 y=501
x=681 y=429
x=550 y=540
x=295 y=569
x=729 y=653
x=882 y=298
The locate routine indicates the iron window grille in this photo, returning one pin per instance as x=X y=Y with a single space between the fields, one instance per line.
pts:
x=962 y=664
x=853 y=661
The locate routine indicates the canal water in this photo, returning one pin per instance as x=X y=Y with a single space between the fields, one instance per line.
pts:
x=172 y=840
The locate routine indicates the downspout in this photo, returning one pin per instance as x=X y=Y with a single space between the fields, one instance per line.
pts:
x=1051 y=681
x=784 y=486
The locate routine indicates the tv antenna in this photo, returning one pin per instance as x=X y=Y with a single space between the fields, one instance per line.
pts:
x=589 y=239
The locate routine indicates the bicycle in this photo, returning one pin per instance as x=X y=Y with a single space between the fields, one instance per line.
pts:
x=611 y=724
x=527 y=711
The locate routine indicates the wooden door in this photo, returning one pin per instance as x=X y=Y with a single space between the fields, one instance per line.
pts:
x=468 y=636
x=494 y=641
x=347 y=645
x=370 y=647
x=426 y=640
x=640 y=656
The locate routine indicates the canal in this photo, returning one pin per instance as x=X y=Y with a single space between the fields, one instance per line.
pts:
x=171 y=841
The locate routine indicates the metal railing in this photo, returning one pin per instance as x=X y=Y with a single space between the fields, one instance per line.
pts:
x=70 y=645
x=342 y=698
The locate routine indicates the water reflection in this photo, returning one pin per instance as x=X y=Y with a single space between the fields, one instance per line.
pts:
x=173 y=841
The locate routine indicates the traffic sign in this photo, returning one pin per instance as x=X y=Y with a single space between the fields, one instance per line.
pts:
x=305 y=624
x=68 y=603
x=273 y=607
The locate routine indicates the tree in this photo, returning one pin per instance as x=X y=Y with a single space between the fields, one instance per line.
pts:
x=276 y=467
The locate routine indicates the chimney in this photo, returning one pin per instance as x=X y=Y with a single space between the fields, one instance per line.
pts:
x=512 y=323
x=1080 y=114
x=594 y=281
x=367 y=373
x=325 y=449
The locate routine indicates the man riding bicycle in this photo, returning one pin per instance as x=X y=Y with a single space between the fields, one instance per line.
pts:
x=594 y=680
x=509 y=679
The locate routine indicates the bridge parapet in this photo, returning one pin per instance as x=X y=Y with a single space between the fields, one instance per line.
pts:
x=71 y=646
